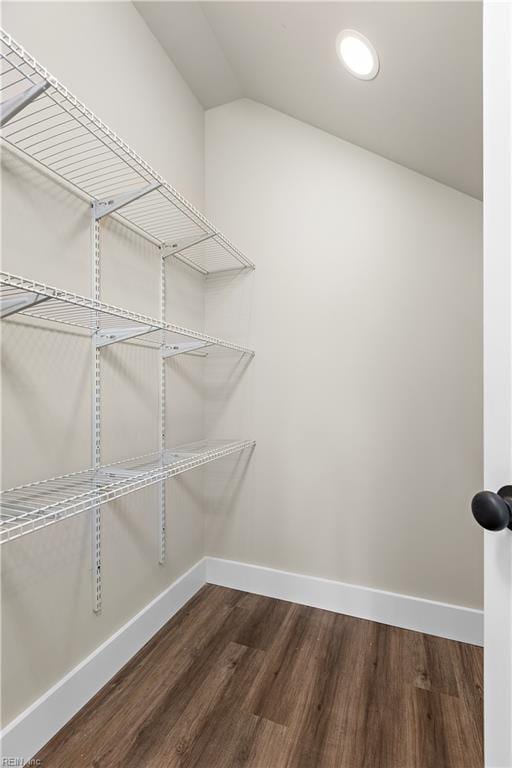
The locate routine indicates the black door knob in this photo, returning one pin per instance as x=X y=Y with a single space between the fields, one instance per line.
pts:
x=493 y=510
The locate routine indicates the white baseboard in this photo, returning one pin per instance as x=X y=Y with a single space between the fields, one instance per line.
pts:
x=34 y=727
x=454 y=622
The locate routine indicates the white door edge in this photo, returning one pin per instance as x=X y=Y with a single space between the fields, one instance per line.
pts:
x=497 y=38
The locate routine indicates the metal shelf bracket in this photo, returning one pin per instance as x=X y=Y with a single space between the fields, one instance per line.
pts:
x=11 y=107
x=105 y=337
x=170 y=350
x=108 y=475
x=11 y=306
x=101 y=208
x=169 y=249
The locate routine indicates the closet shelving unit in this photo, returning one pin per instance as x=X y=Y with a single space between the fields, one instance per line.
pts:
x=47 y=125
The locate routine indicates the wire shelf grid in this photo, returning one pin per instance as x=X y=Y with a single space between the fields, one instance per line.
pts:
x=108 y=322
x=28 y=508
x=57 y=131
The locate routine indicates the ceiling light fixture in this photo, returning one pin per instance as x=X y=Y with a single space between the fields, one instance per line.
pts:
x=357 y=54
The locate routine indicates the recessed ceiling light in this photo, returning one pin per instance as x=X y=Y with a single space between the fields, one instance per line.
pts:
x=357 y=54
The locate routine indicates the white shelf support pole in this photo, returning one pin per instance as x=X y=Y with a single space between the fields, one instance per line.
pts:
x=101 y=208
x=162 y=515
x=11 y=107
x=96 y=425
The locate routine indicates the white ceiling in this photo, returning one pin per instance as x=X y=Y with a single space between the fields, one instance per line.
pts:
x=424 y=109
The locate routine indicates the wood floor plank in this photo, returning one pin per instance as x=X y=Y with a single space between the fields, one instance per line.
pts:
x=242 y=681
x=274 y=694
x=441 y=667
x=430 y=736
x=380 y=704
x=269 y=745
x=320 y=726
x=264 y=621
x=182 y=745
x=469 y=671
x=225 y=740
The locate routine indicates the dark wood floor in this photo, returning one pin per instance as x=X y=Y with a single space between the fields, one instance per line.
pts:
x=240 y=680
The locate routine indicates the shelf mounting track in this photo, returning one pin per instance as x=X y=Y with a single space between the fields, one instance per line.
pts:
x=96 y=422
x=162 y=516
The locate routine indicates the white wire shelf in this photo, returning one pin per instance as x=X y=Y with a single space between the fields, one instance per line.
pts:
x=107 y=323
x=46 y=122
x=28 y=508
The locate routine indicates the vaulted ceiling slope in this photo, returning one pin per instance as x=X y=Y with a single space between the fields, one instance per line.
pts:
x=424 y=109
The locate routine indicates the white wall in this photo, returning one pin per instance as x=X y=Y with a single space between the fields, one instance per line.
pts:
x=365 y=395
x=105 y=53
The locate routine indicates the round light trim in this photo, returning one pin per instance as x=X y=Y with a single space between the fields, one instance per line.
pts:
x=357 y=54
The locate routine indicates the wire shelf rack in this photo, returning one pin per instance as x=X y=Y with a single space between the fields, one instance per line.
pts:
x=29 y=508
x=107 y=323
x=57 y=131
